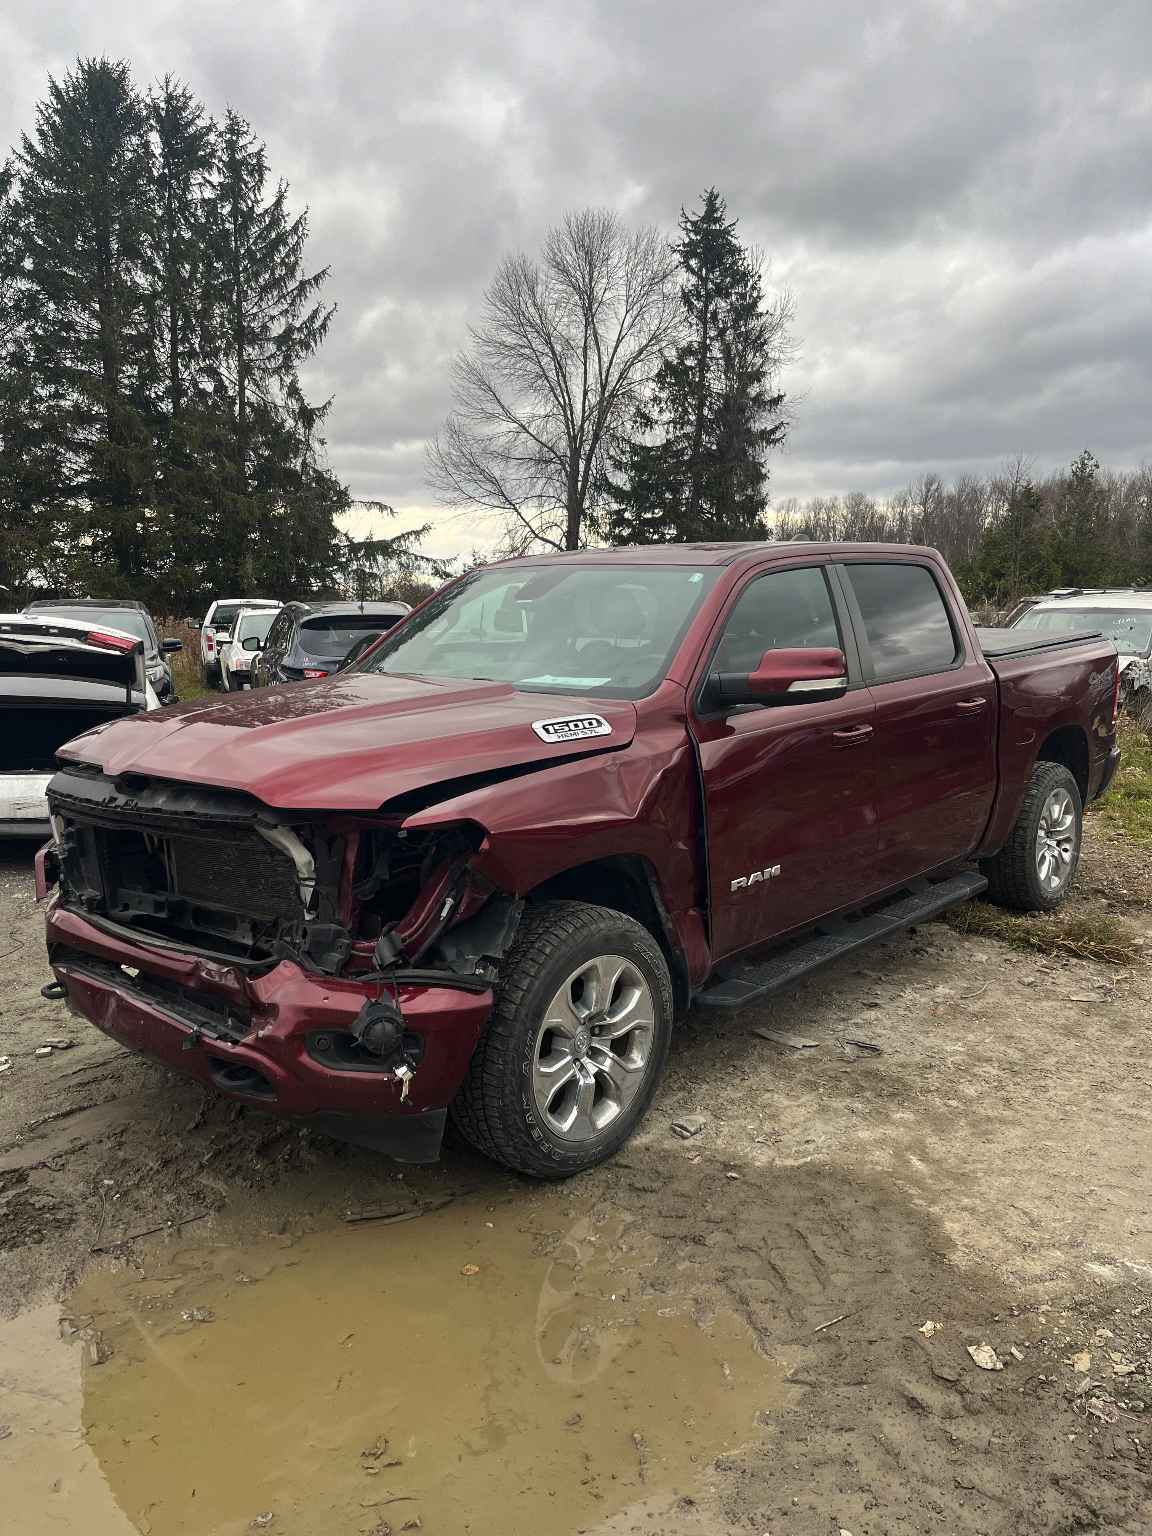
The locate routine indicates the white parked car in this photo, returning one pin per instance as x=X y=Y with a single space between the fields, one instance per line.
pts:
x=217 y=626
x=59 y=677
x=1122 y=614
x=238 y=650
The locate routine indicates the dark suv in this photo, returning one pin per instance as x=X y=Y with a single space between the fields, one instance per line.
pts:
x=313 y=639
x=133 y=618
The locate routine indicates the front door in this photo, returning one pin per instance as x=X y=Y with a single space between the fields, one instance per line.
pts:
x=788 y=789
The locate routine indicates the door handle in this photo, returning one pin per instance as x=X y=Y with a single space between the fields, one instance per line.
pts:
x=970 y=706
x=852 y=734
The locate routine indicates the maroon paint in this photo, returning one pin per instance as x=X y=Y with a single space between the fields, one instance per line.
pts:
x=782 y=667
x=347 y=743
x=1041 y=694
x=286 y=1005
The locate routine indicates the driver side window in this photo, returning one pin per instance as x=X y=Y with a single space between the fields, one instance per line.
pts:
x=783 y=609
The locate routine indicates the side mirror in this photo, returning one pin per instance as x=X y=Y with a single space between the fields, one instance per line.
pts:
x=251 y=643
x=168 y=646
x=792 y=676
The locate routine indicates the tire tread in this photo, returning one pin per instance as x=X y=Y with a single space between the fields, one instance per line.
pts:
x=481 y=1110
x=1012 y=878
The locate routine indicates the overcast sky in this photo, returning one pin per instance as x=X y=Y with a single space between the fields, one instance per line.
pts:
x=958 y=192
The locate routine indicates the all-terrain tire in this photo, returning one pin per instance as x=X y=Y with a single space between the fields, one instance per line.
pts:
x=495 y=1109
x=1014 y=874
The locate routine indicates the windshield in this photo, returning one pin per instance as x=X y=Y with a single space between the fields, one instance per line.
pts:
x=609 y=630
x=1129 y=629
x=130 y=620
x=335 y=635
x=257 y=624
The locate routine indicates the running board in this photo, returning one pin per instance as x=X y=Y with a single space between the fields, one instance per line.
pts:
x=741 y=982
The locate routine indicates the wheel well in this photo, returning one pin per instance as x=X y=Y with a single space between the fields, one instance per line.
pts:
x=1068 y=746
x=626 y=883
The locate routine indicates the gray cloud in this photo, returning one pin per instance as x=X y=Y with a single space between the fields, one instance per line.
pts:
x=957 y=192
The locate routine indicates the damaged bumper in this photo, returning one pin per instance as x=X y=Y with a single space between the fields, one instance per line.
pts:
x=284 y=1040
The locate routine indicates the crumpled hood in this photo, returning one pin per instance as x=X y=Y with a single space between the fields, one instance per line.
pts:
x=350 y=743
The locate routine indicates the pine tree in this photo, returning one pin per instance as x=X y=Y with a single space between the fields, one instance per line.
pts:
x=29 y=532
x=1083 y=557
x=1019 y=553
x=277 y=498
x=179 y=276
x=84 y=207
x=693 y=466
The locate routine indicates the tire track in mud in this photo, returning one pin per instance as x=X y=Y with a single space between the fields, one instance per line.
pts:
x=887 y=1433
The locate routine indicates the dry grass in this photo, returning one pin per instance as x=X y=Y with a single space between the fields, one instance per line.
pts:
x=1127 y=807
x=185 y=663
x=1085 y=935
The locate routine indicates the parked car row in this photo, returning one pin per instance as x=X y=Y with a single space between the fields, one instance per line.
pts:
x=258 y=643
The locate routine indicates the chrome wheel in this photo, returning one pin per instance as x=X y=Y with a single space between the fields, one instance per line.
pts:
x=593 y=1047
x=1056 y=840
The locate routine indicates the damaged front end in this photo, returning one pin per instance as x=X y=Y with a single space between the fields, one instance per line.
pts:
x=334 y=968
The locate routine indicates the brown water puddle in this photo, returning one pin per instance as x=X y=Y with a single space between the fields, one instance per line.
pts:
x=355 y=1380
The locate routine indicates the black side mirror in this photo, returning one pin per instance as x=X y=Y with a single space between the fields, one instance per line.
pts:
x=169 y=646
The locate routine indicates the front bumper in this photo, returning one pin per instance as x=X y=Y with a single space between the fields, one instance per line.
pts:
x=163 y=1004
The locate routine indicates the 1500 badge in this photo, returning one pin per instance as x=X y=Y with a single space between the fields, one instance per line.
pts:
x=571 y=727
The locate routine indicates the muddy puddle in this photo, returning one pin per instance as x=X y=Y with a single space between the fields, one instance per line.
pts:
x=518 y=1367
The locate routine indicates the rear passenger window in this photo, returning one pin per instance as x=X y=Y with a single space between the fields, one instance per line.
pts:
x=905 y=619
x=774 y=612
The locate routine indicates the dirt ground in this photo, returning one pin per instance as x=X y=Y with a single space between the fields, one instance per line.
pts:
x=988 y=1168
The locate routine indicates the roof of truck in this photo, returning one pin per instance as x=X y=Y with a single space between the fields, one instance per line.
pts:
x=714 y=554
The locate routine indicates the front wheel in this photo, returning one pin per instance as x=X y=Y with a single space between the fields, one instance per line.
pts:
x=576 y=1044
x=1034 y=869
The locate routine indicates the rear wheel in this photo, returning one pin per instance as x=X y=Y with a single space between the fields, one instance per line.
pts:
x=576 y=1044
x=1035 y=867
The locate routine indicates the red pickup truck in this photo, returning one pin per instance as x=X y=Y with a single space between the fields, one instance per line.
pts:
x=481 y=871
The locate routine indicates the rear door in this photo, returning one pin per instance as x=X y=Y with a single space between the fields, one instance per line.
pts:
x=935 y=699
x=788 y=789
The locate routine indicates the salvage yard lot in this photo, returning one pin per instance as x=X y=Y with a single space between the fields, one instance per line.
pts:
x=987 y=1166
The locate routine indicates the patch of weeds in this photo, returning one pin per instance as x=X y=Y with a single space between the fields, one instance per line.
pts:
x=1127 y=807
x=1085 y=935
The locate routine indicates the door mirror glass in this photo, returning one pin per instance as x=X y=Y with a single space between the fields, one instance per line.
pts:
x=796 y=675
x=169 y=646
x=250 y=643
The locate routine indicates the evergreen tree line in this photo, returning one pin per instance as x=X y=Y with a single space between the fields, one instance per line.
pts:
x=1007 y=535
x=155 y=311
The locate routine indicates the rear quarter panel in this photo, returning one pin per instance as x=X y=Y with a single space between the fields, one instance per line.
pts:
x=1040 y=694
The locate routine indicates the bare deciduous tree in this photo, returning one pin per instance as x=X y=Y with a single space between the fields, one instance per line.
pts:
x=566 y=344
